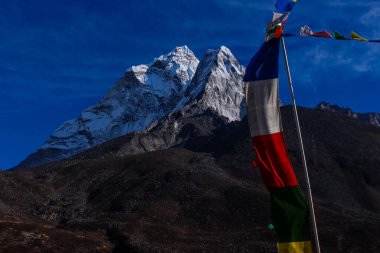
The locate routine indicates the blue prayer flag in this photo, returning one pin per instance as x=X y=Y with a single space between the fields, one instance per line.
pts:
x=285 y=6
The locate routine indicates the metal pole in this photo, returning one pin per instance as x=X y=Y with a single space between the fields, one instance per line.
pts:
x=301 y=148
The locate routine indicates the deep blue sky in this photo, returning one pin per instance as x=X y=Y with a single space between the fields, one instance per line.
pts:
x=59 y=57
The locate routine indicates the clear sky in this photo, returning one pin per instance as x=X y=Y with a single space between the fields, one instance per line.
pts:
x=59 y=57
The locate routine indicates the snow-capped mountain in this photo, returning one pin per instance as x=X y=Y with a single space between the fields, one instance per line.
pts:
x=143 y=95
x=147 y=93
x=217 y=84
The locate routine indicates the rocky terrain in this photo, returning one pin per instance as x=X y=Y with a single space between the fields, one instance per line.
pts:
x=162 y=163
x=199 y=195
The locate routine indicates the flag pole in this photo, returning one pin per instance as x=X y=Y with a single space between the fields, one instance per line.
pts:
x=310 y=196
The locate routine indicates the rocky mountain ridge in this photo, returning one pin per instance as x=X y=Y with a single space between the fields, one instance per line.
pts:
x=372 y=118
x=148 y=93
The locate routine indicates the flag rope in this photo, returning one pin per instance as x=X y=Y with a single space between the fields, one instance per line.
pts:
x=310 y=196
x=287 y=35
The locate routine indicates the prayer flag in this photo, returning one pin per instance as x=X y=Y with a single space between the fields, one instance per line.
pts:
x=339 y=36
x=306 y=31
x=285 y=6
x=355 y=36
x=290 y=212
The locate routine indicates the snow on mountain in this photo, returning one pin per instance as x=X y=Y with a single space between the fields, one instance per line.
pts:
x=145 y=94
x=218 y=84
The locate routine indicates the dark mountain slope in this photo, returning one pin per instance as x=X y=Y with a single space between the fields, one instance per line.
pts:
x=338 y=148
x=203 y=197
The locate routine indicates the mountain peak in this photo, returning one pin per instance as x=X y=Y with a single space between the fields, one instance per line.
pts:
x=225 y=50
x=149 y=92
x=181 y=62
x=221 y=59
x=181 y=54
x=217 y=84
x=181 y=50
x=219 y=53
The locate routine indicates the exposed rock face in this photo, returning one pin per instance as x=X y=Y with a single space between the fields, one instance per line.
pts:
x=173 y=83
x=217 y=84
x=372 y=118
